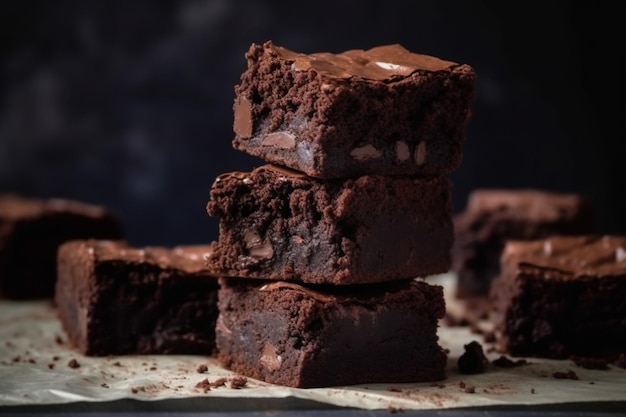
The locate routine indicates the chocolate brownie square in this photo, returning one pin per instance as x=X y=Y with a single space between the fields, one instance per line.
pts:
x=314 y=336
x=114 y=299
x=494 y=216
x=384 y=111
x=562 y=296
x=31 y=231
x=276 y=223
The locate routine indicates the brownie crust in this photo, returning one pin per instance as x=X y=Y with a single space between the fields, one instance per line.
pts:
x=562 y=296
x=281 y=224
x=31 y=231
x=293 y=335
x=494 y=216
x=382 y=111
x=113 y=299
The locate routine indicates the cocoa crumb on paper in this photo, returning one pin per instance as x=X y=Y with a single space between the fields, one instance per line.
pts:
x=204 y=385
x=532 y=390
x=238 y=382
x=31 y=360
x=103 y=385
x=473 y=360
x=202 y=369
x=394 y=410
x=55 y=358
x=219 y=382
x=504 y=362
x=73 y=363
x=50 y=366
x=153 y=368
x=394 y=389
x=566 y=375
x=134 y=390
x=58 y=339
x=469 y=389
x=117 y=363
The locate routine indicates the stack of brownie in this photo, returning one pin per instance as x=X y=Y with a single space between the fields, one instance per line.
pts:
x=319 y=249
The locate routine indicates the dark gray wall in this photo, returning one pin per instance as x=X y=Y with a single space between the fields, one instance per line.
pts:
x=128 y=103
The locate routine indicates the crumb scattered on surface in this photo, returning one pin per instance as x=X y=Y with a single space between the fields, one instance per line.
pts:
x=50 y=366
x=204 y=385
x=219 y=382
x=394 y=389
x=73 y=363
x=532 y=390
x=394 y=410
x=469 y=389
x=153 y=368
x=31 y=360
x=55 y=358
x=134 y=390
x=103 y=385
x=473 y=360
x=202 y=369
x=504 y=362
x=238 y=382
x=565 y=375
x=117 y=364
x=591 y=363
x=59 y=340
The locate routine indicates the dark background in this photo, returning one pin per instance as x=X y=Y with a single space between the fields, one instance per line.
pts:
x=128 y=104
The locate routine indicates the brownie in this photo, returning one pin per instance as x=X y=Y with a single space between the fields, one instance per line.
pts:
x=494 y=216
x=31 y=230
x=562 y=296
x=384 y=111
x=313 y=336
x=114 y=299
x=276 y=223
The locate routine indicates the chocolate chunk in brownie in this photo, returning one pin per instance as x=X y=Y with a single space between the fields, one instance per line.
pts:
x=280 y=224
x=494 y=216
x=562 y=296
x=114 y=299
x=313 y=336
x=31 y=231
x=383 y=111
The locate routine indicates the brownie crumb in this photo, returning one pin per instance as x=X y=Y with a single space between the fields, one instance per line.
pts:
x=117 y=364
x=59 y=340
x=103 y=385
x=238 y=382
x=473 y=360
x=591 y=363
x=532 y=390
x=591 y=383
x=204 y=385
x=16 y=359
x=504 y=362
x=202 y=369
x=469 y=389
x=134 y=390
x=50 y=366
x=219 y=382
x=31 y=360
x=394 y=389
x=73 y=364
x=462 y=384
x=55 y=358
x=394 y=410
x=153 y=368
x=565 y=375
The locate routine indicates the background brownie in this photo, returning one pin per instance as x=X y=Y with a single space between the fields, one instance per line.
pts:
x=114 y=299
x=494 y=216
x=562 y=296
x=382 y=111
x=31 y=231
x=292 y=335
x=280 y=224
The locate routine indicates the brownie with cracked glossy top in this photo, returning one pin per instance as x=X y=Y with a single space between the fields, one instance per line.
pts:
x=114 y=299
x=276 y=223
x=31 y=230
x=493 y=216
x=384 y=111
x=314 y=336
x=562 y=296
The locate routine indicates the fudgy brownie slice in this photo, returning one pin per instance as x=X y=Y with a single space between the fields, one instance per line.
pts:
x=383 y=111
x=281 y=224
x=562 y=296
x=313 y=336
x=114 y=299
x=31 y=231
x=494 y=216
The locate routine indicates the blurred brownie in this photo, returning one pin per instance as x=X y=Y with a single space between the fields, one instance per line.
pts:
x=494 y=216
x=113 y=299
x=384 y=111
x=314 y=336
x=562 y=296
x=31 y=230
x=280 y=224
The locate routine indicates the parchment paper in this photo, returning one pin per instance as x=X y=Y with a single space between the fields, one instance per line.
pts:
x=35 y=369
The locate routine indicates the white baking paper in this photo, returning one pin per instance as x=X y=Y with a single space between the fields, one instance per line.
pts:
x=35 y=357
